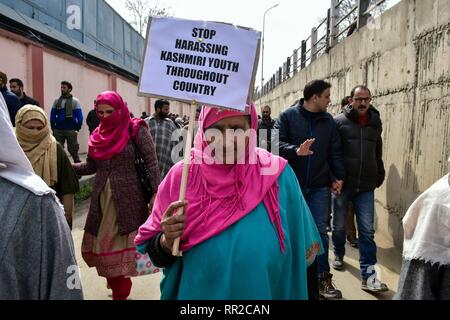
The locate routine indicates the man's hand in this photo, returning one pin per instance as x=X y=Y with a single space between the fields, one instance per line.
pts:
x=173 y=225
x=304 y=149
x=336 y=187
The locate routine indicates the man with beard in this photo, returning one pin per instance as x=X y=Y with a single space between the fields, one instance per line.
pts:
x=16 y=86
x=265 y=126
x=360 y=128
x=66 y=119
x=162 y=128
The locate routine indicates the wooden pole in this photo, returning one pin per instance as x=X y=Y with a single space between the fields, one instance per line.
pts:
x=187 y=157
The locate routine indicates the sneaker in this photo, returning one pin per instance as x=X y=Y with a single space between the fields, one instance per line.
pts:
x=327 y=289
x=373 y=285
x=338 y=263
x=353 y=241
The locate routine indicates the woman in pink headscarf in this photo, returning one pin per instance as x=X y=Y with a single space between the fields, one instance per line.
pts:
x=118 y=205
x=247 y=232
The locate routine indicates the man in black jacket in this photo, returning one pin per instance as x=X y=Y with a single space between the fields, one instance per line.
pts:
x=360 y=129
x=265 y=127
x=16 y=86
x=309 y=140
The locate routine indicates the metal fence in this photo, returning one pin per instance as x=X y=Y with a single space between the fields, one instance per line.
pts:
x=339 y=22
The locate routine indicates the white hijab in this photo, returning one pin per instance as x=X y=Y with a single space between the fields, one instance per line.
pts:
x=14 y=165
x=427 y=225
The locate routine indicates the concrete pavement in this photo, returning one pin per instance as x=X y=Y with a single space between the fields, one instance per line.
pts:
x=147 y=288
x=94 y=287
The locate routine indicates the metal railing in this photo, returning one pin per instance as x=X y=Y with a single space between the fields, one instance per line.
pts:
x=331 y=30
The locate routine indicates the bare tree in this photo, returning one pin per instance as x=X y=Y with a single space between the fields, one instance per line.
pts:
x=142 y=10
x=347 y=6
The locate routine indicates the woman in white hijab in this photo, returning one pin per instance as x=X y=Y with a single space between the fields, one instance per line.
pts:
x=37 y=259
x=425 y=272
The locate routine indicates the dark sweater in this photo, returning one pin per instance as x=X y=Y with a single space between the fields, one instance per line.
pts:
x=28 y=100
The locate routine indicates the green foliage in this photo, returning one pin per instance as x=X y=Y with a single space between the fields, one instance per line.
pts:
x=84 y=194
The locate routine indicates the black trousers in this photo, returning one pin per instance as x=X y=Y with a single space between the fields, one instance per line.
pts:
x=313 y=281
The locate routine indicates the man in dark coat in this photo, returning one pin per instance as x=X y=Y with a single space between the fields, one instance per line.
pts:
x=265 y=126
x=360 y=129
x=309 y=140
x=16 y=86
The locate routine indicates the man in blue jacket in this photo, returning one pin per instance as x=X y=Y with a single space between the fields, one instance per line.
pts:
x=309 y=140
x=12 y=101
x=66 y=119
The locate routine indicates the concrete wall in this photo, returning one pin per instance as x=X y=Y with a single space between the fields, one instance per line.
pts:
x=42 y=77
x=404 y=58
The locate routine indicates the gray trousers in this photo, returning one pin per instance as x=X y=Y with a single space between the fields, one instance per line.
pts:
x=72 y=142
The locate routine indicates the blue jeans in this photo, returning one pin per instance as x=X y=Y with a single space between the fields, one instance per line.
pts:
x=317 y=200
x=364 y=204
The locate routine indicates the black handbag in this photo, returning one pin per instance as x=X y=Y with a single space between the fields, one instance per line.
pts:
x=142 y=171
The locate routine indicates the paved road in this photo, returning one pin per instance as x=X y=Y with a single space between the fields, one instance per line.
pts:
x=147 y=288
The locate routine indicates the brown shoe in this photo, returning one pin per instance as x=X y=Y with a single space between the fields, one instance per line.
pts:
x=327 y=289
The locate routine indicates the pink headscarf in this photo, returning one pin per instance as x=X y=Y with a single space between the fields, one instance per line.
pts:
x=219 y=195
x=113 y=134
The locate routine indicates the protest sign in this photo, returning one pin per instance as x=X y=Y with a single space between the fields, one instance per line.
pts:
x=211 y=63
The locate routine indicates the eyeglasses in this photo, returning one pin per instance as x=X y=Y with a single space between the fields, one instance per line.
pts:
x=362 y=99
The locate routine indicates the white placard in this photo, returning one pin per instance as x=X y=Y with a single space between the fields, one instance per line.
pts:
x=211 y=63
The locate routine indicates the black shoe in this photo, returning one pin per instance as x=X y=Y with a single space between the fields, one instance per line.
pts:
x=327 y=289
x=338 y=263
x=353 y=241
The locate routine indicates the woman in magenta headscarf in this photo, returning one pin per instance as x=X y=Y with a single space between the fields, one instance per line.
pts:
x=247 y=232
x=118 y=205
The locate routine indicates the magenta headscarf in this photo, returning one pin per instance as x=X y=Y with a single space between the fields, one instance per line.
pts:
x=113 y=134
x=219 y=195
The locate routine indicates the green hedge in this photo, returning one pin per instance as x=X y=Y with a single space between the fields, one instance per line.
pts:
x=84 y=194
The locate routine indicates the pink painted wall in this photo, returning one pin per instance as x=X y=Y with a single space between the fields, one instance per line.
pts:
x=15 y=61
x=129 y=92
